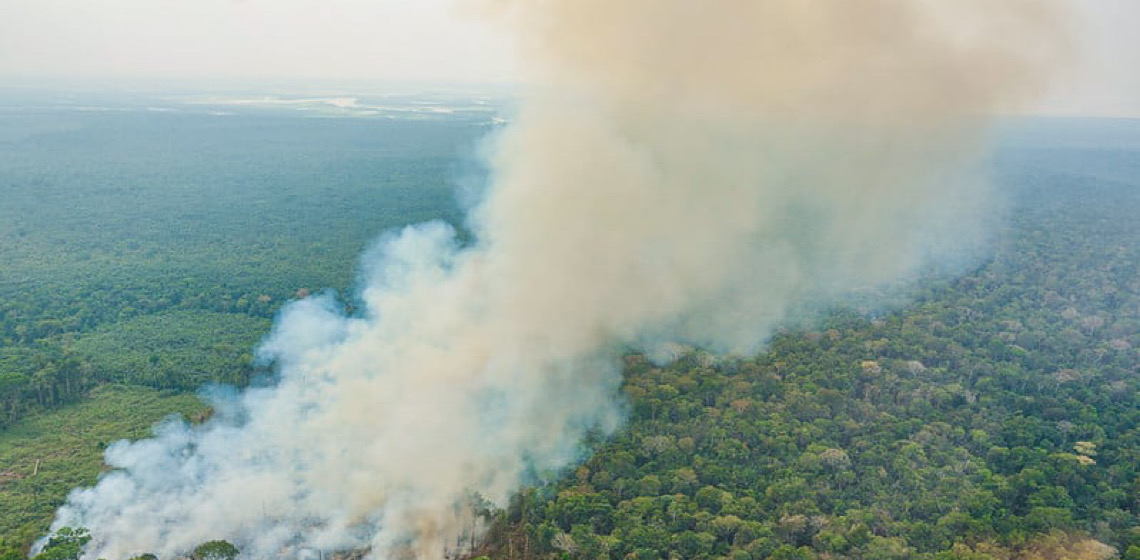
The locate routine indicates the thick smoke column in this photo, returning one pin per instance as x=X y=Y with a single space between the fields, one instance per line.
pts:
x=686 y=171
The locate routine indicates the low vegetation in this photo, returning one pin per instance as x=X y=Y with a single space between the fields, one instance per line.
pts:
x=44 y=457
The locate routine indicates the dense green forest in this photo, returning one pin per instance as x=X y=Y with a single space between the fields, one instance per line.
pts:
x=151 y=249
x=131 y=239
x=996 y=415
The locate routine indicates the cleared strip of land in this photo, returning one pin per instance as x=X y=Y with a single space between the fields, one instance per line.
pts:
x=44 y=456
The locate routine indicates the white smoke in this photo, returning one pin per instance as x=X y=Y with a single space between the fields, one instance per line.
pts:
x=686 y=173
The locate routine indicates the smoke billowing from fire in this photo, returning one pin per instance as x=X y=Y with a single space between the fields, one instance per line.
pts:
x=685 y=171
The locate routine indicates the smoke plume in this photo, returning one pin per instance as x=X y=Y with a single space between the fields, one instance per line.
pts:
x=681 y=171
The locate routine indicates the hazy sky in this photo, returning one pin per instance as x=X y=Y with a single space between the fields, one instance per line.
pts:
x=211 y=39
x=373 y=40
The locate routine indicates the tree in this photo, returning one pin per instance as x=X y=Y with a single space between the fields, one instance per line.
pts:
x=215 y=550
x=65 y=544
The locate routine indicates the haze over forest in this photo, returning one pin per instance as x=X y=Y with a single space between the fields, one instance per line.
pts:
x=749 y=281
x=215 y=42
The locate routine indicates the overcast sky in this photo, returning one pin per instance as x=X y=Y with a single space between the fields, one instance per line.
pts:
x=397 y=40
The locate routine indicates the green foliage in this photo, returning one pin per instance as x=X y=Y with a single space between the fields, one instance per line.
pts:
x=993 y=416
x=174 y=350
x=115 y=226
x=65 y=544
x=153 y=249
x=991 y=413
x=43 y=457
x=215 y=550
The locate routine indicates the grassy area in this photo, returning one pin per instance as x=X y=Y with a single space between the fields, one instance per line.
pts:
x=43 y=457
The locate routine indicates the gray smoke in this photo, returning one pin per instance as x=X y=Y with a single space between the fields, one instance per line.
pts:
x=683 y=172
